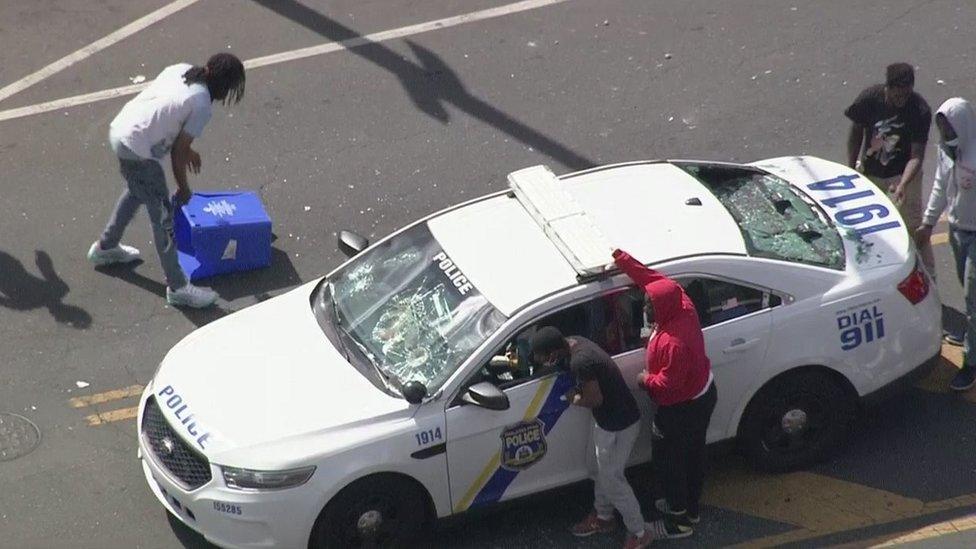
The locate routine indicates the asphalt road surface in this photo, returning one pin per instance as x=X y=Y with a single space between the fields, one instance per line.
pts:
x=369 y=138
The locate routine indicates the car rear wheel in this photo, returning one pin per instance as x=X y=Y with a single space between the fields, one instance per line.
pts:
x=378 y=511
x=796 y=420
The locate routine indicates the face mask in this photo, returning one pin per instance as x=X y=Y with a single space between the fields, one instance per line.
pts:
x=561 y=364
x=951 y=147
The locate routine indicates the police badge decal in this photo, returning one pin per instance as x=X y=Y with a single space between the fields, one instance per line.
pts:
x=523 y=444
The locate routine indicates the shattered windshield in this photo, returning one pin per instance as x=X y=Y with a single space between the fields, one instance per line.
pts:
x=410 y=310
x=776 y=221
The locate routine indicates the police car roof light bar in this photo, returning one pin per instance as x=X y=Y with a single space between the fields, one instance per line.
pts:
x=562 y=219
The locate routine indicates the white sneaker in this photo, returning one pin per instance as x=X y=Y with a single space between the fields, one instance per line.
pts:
x=118 y=254
x=191 y=296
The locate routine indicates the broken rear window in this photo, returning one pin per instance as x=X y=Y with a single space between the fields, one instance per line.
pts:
x=777 y=221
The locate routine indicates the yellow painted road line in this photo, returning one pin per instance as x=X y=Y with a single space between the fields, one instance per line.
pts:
x=114 y=415
x=532 y=411
x=818 y=504
x=932 y=531
x=107 y=396
x=851 y=514
x=796 y=536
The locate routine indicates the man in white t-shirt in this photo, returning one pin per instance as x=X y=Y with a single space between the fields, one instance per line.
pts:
x=163 y=120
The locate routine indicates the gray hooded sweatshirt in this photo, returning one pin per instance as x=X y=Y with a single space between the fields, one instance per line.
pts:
x=955 y=180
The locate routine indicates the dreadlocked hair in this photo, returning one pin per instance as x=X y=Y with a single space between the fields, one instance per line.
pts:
x=223 y=75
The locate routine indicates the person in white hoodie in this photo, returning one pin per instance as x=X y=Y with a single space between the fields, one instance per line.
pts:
x=955 y=187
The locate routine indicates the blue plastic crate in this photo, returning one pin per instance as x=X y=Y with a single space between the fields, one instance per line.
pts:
x=222 y=232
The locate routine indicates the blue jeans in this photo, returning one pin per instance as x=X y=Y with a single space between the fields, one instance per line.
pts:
x=964 y=251
x=145 y=184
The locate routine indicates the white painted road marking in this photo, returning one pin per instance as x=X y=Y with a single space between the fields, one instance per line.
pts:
x=292 y=55
x=401 y=32
x=72 y=101
x=94 y=47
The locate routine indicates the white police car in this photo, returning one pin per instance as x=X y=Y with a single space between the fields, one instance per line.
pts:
x=398 y=389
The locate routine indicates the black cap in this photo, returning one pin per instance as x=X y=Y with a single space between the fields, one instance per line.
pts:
x=547 y=340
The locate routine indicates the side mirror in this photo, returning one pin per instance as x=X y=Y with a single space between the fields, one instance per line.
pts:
x=351 y=243
x=414 y=392
x=486 y=395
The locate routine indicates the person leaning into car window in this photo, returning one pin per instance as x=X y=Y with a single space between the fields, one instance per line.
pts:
x=600 y=387
x=678 y=378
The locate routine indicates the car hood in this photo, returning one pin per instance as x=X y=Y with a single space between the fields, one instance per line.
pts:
x=263 y=375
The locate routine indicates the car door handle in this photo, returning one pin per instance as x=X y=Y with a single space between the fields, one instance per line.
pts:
x=739 y=345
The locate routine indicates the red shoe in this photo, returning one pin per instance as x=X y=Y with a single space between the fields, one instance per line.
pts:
x=592 y=524
x=634 y=542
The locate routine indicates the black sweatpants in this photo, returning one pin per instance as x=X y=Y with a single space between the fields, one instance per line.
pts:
x=679 y=455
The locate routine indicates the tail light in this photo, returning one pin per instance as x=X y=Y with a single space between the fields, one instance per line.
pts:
x=915 y=288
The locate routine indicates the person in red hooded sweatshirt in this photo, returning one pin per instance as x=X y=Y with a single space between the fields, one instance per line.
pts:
x=678 y=378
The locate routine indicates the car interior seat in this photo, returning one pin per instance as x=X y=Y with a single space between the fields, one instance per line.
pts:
x=696 y=292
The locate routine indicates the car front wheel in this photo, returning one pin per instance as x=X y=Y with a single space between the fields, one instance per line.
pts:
x=795 y=421
x=378 y=511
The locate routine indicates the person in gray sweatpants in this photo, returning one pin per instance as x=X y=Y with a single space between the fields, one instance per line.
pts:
x=955 y=187
x=616 y=424
x=145 y=185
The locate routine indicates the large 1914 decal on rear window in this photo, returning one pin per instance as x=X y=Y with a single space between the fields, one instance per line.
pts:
x=523 y=444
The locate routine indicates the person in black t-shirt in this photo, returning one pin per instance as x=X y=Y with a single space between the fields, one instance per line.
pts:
x=890 y=127
x=600 y=387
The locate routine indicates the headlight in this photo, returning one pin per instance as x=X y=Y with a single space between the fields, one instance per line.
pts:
x=249 y=479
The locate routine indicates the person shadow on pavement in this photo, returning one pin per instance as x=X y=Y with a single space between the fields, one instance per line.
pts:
x=23 y=291
x=257 y=283
x=126 y=272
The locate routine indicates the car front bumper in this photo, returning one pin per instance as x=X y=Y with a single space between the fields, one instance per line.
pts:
x=228 y=517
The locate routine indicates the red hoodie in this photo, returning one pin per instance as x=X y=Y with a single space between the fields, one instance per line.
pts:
x=676 y=362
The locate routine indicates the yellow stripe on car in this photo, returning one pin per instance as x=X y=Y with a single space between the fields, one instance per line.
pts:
x=531 y=412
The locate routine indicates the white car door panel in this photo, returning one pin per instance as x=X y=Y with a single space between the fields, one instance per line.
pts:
x=736 y=349
x=538 y=443
x=736 y=320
